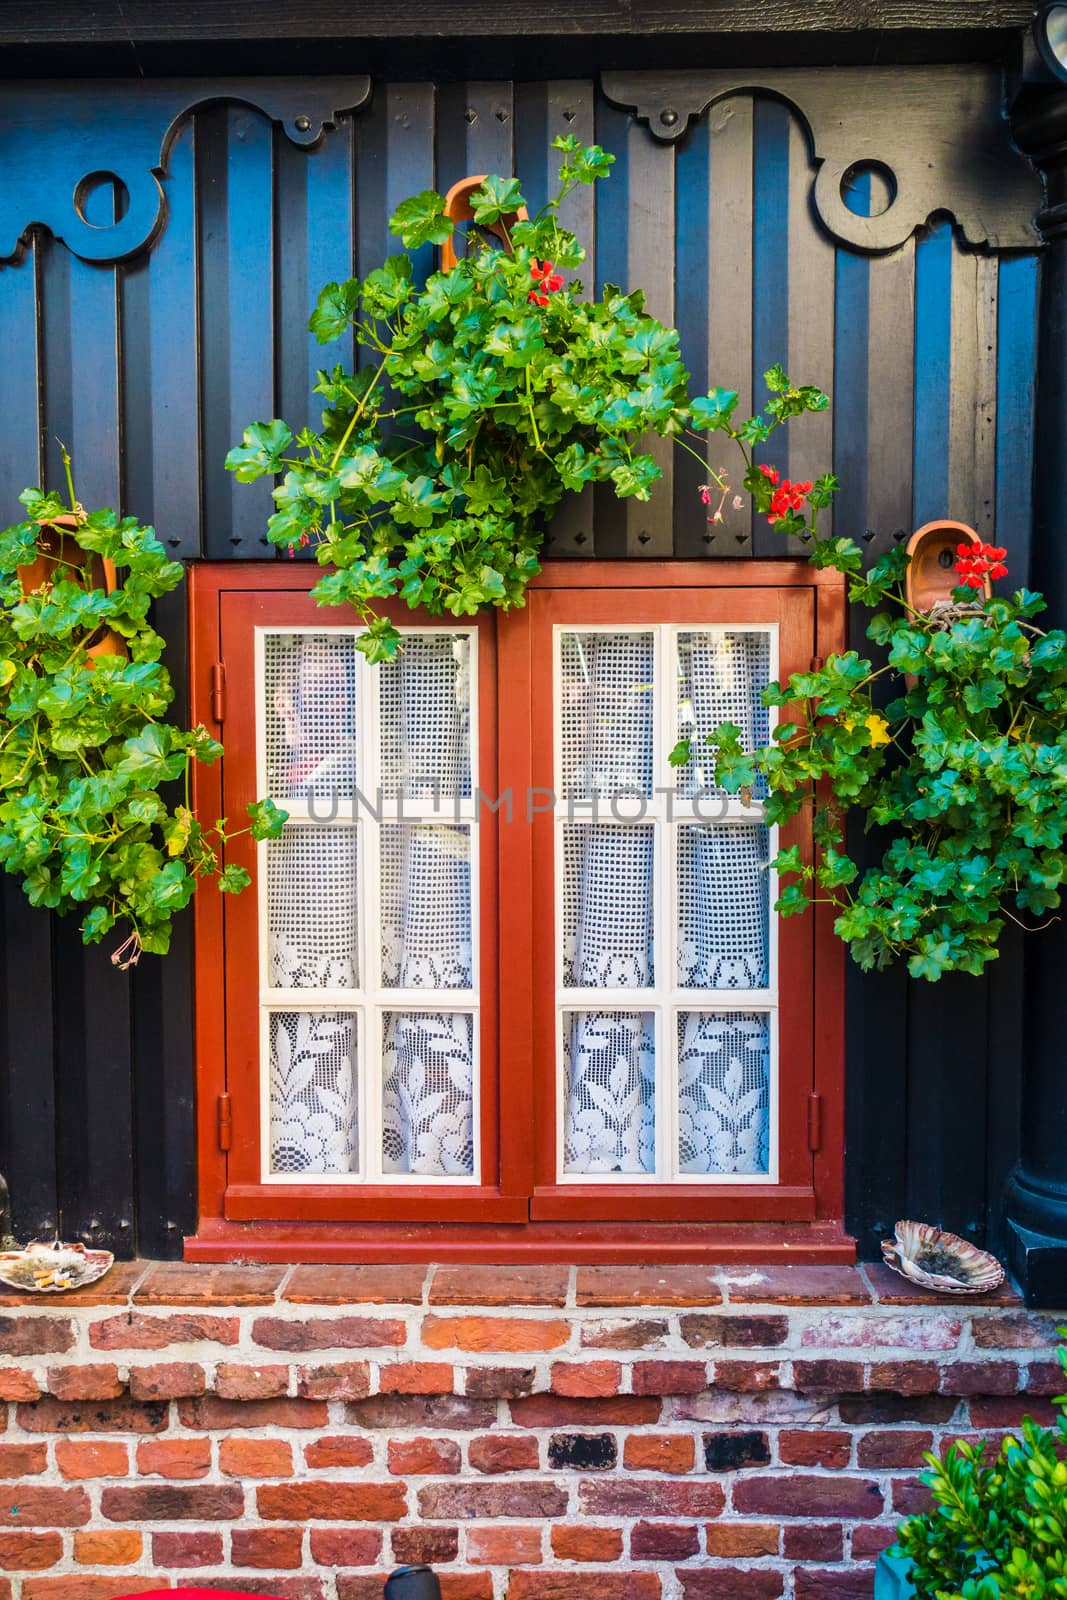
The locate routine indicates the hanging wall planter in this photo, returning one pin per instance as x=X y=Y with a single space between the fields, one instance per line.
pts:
x=458 y=209
x=934 y=550
x=58 y=555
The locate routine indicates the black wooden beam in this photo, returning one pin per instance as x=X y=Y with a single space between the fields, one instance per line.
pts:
x=126 y=21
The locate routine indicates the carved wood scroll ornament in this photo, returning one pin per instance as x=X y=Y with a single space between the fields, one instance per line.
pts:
x=57 y=138
x=939 y=131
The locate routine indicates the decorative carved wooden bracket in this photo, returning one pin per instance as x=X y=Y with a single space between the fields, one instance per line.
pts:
x=58 y=139
x=938 y=132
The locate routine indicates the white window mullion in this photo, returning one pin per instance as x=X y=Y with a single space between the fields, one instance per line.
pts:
x=370 y=769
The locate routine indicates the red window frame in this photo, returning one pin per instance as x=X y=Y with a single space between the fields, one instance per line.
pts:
x=518 y=1211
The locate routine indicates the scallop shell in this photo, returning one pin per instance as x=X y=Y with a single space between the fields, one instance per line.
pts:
x=73 y=1262
x=940 y=1261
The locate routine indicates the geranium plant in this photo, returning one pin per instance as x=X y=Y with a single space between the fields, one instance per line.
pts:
x=84 y=745
x=491 y=390
x=963 y=760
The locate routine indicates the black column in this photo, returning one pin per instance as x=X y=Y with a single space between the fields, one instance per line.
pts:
x=1037 y=1190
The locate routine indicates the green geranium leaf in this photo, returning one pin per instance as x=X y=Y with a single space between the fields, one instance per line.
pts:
x=421 y=220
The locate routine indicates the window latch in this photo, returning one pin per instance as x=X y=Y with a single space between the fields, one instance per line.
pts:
x=814 y=1122
x=218 y=691
x=225 y=1122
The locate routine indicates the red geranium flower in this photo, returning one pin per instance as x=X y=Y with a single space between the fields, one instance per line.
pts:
x=787 y=497
x=546 y=275
x=770 y=473
x=977 y=562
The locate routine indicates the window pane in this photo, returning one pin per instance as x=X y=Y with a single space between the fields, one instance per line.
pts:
x=426 y=906
x=313 y=1092
x=310 y=702
x=609 y=1064
x=425 y=718
x=720 y=679
x=428 y=1093
x=312 y=918
x=723 y=906
x=724 y=1065
x=608 y=903
x=607 y=699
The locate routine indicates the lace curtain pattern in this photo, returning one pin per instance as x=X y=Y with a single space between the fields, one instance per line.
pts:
x=316 y=752
x=609 y=930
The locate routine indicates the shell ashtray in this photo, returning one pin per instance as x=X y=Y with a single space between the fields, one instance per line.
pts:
x=53 y=1268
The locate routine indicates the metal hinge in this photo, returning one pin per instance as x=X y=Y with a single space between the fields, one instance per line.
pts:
x=225 y=1123
x=218 y=691
x=814 y=1121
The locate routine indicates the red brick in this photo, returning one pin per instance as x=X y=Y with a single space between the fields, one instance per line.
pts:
x=893 y=1290
x=1009 y=1413
x=504 y=1546
x=865 y=1409
x=419 y=1456
x=746 y=1377
x=187 y=1549
x=794 y=1285
x=649 y=1497
x=808 y=1495
x=586 y=1377
x=93 y=1416
x=731 y=1583
x=454 y=1585
x=421 y=1411
x=233 y=1382
x=174 y=1458
x=171 y=1380
x=107 y=1547
x=193 y=1283
x=25 y=1505
x=95 y=1458
x=735 y=1448
x=342 y=1380
x=659 y=1452
x=1045 y=1377
x=550 y=1411
x=417 y=1377
x=328 y=1333
x=211 y=1414
x=583 y=1452
x=812 y=1583
x=905 y=1377
x=114 y=1289
x=576 y=1585
x=415 y=1546
x=341 y=1450
x=664 y=1541
x=926 y=1331
x=494 y=1333
x=900 y=1447
x=346 y=1547
x=911 y=1497
x=499 y=1286
x=167 y=1502
x=499 y=1383
x=869 y=1540
x=647 y=1286
x=392 y=1284
x=331 y=1502
x=256 y=1458
x=276 y=1584
x=29 y=1552
x=515 y=1498
x=828 y=1377
x=22 y=1460
x=670 y=1377
x=134 y=1331
x=624 y=1333
x=586 y=1544
x=267 y=1547
x=735 y=1539
x=18 y=1384
x=723 y=1331
x=504 y=1452
x=82 y=1586
x=99 y=1382
x=980 y=1377
x=35 y=1336
x=1018 y=1330
x=813 y=1447
x=813 y=1541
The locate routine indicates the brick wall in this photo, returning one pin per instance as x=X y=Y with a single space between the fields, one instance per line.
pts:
x=542 y=1433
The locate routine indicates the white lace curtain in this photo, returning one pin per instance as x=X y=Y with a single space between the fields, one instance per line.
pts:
x=609 y=924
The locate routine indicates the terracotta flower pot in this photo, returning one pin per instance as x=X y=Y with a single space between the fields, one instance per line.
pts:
x=55 y=548
x=933 y=549
x=459 y=209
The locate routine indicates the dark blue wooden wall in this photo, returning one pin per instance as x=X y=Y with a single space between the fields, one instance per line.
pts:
x=148 y=369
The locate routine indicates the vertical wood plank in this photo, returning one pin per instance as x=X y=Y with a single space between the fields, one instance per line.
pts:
x=474 y=131
x=729 y=277
x=20 y=378
x=933 y=333
x=771 y=271
x=809 y=329
x=237 y=318
x=650 y=266
x=394 y=159
x=27 y=1078
x=694 y=534
x=175 y=354
x=890 y=396
x=612 y=266
x=1017 y=282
